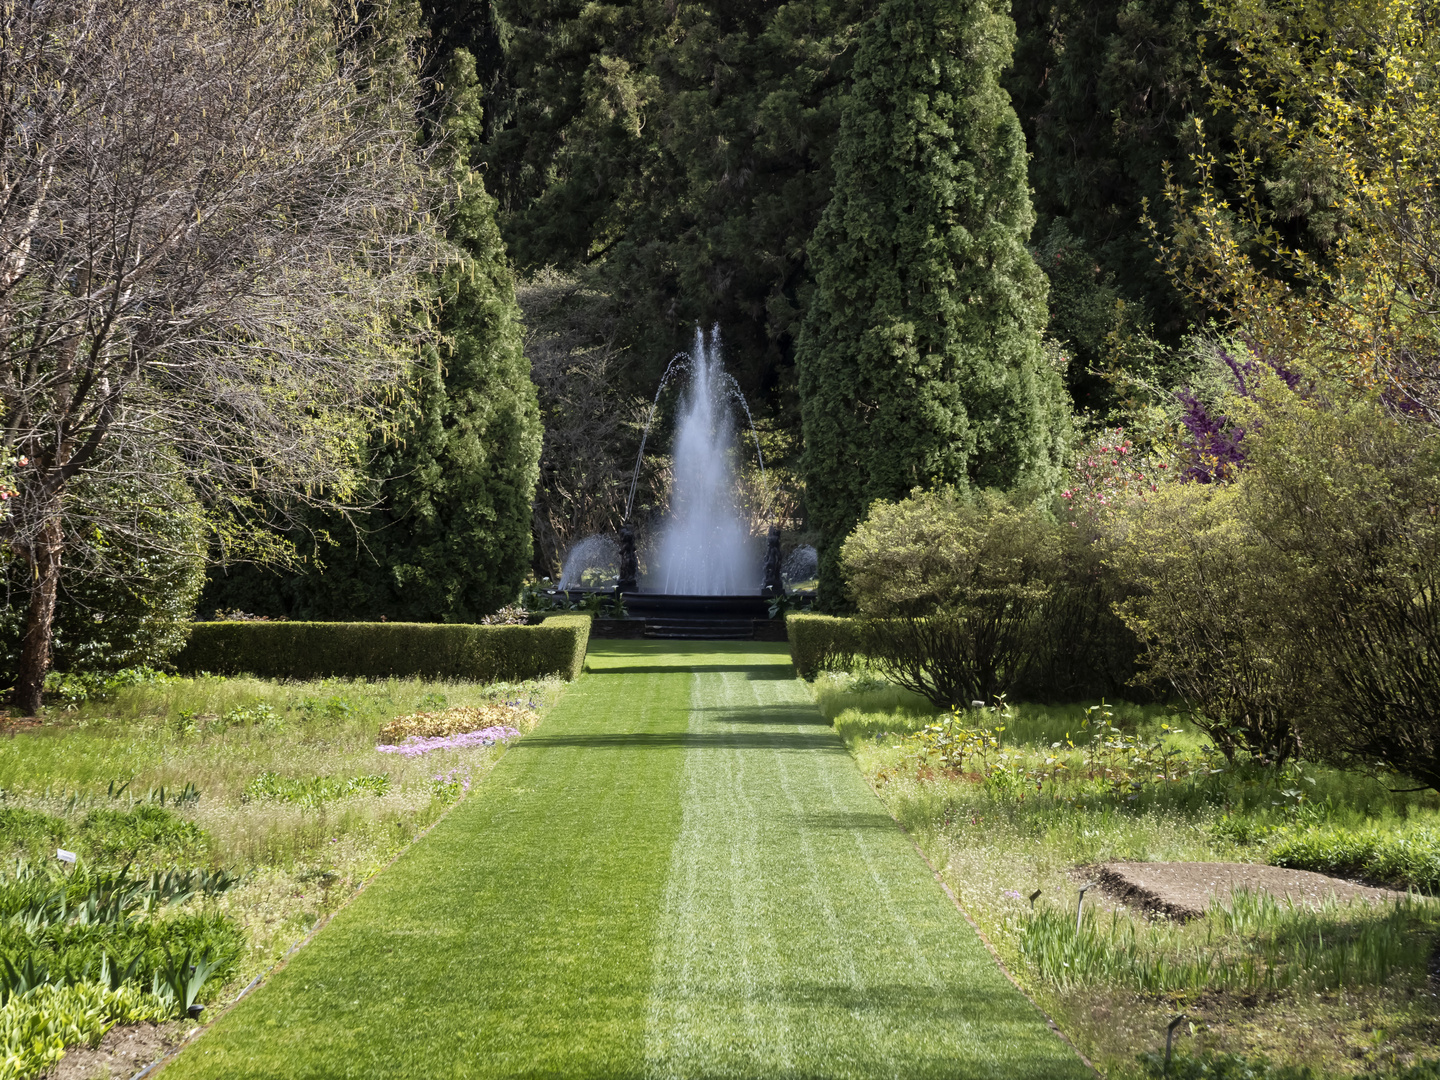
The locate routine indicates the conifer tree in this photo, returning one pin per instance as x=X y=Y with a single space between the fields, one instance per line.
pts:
x=920 y=358
x=448 y=538
x=451 y=539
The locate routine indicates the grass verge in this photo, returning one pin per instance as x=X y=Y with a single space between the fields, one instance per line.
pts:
x=1342 y=991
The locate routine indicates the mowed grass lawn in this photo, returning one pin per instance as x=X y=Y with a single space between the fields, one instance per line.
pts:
x=680 y=873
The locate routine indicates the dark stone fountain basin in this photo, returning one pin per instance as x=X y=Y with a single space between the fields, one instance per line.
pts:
x=697 y=618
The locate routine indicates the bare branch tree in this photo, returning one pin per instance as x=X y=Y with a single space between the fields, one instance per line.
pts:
x=592 y=424
x=212 y=221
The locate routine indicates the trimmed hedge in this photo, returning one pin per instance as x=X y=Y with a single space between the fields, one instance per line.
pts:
x=822 y=643
x=315 y=650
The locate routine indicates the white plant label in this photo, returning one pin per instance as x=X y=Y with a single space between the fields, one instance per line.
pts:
x=64 y=856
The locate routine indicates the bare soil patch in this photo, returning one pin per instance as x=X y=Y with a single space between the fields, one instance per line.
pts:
x=122 y=1052
x=1183 y=890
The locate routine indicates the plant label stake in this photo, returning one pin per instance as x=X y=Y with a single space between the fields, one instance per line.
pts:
x=66 y=857
x=1033 y=897
x=1170 y=1041
x=1080 y=904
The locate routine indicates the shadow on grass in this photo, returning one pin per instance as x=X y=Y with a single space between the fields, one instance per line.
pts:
x=686 y=740
x=778 y=716
x=761 y=672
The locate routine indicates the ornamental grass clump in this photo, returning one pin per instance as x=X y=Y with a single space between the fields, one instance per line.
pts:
x=457 y=720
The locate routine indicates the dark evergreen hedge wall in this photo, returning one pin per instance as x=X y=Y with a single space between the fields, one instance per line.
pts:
x=313 y=650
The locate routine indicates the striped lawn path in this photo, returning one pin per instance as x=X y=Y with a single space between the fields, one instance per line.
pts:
x=681 y=874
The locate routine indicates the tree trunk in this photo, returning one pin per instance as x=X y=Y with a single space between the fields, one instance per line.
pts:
x=45 y=554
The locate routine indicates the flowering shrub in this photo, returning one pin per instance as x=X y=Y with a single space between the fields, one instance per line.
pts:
x=1108 y=473
x=1213 y=442
x=416 y=745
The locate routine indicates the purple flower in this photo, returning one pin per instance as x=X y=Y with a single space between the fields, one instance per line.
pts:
x=416 y=745
x=1011 y=894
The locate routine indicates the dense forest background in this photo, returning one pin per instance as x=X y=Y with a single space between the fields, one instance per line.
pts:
x=661 y=165
x=672 y=160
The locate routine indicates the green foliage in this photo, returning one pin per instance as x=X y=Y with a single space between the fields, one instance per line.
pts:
x=1345 y=495
x=1405 y=857
x=62 y=929
x=1082 y=649
x=75 y=687
x=144 y=833
x=1213 y=1065
x=314 y=791
x=679 y=154
x=1249 y=943
x=821 y=643
x=30 y=833
x=36 y=1027
x=133 y=570
x=1105 y=90
x=298 y=650
x=949 y=587
x=920 y=359
x=1205 y=609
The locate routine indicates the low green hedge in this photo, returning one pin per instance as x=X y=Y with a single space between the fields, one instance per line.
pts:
x=822 y=643
x=315 y=650
x=1406 y=857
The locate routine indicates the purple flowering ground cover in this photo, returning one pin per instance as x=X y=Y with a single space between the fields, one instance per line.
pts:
x=418 y=745
x=680 y=873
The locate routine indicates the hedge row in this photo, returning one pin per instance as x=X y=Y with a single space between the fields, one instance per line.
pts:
x=822 y=643
x=313 y=650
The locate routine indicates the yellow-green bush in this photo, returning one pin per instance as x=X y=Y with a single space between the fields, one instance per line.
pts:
x=950 y=586
x=35 y=1027
x=310 y=650
x=821 y=643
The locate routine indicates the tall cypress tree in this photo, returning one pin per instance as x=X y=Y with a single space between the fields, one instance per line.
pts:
x=451 y=538
x=920 y=359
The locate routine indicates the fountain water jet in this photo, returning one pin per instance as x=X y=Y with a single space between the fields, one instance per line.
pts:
x=704 y=547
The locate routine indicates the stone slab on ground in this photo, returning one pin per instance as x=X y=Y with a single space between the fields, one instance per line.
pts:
x=1183 y=890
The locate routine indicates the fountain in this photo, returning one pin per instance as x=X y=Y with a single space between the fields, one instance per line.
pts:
x=704 y=547
x=592 y=563
x=706 y=575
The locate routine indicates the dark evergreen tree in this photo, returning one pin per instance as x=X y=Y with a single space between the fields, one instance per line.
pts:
x=920 y=358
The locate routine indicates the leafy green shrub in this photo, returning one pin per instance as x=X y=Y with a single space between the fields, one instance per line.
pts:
x=1346 y=495
x=302 y=650
x=314 y=790
x=37 y=1026
x=1406 y=857
x=1205 y=611
x=75 y=687
x=142 y=833
x=821 y=643
x=950 y=587
x=1083 y=650
x=30 y=832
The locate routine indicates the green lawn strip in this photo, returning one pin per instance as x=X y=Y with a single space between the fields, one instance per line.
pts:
x=514 y=940
x=802 y=935
x=680 y=874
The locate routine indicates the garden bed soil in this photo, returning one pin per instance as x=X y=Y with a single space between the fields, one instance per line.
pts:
x=1184 y=890
x=123 y=1051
